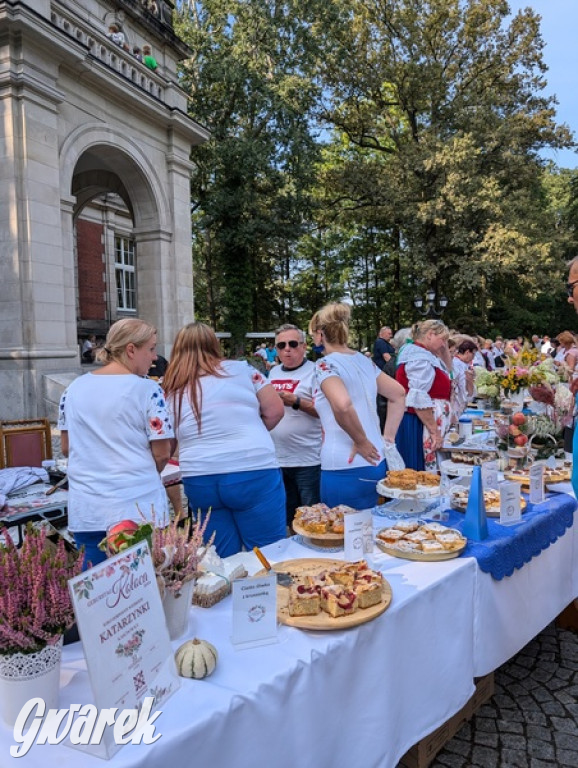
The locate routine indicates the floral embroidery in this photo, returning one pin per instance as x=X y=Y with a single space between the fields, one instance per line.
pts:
x=156 y=424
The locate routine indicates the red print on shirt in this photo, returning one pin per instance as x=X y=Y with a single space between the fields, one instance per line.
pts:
x=285 y=385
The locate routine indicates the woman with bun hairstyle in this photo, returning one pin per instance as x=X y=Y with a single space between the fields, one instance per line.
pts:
x=223 y=411
x=424 y=372
x=115 y=430
x=354 y=450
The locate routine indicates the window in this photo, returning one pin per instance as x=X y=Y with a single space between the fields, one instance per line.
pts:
x=125 y=273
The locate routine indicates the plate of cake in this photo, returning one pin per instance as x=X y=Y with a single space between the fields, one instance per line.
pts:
x=459 y=500
x=408 y=484
x=330 y=594
x=427 y=542
x=559 y=474
x=321 y=524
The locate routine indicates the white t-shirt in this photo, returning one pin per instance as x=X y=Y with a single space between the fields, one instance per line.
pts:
x=233 y=437
x=359 y=375
x=111 y=421
x=297 y=437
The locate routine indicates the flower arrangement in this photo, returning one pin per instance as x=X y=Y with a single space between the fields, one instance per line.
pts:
x=35 y=604
x=178 y=549
x=514 y=379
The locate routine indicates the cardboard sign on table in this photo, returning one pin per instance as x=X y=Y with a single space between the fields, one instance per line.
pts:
x=255 y=611
x=358 y=527
x=125 y=640
x=489 y=474
x=537 y=495
x=510 y=510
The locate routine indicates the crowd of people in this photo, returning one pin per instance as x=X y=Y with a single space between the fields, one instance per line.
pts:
x=253 y=446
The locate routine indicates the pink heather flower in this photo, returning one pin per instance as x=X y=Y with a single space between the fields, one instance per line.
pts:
x=35 y=605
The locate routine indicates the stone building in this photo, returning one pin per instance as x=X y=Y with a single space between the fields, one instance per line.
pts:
x=95 y=197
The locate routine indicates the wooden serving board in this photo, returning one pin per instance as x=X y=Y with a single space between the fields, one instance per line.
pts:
x=561 y=476
x=490 y=510
x=321 y=539
x=422 y=557
x=309 y=566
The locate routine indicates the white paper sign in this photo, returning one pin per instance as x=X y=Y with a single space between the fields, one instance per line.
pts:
x=124 y=636
x=537 y=483
x=489 y=475
x=510 y=511
x=255 y=611
x=358 y=527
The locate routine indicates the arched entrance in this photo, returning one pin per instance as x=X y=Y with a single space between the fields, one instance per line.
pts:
x=123 y=252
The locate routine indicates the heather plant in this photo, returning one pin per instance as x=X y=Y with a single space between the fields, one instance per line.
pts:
x=35 y=604
x=178 y=549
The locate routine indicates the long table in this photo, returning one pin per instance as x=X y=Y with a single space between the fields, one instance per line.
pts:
x=332 y=699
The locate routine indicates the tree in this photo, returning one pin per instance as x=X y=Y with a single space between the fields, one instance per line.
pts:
x=442 y=102
x=248 y=82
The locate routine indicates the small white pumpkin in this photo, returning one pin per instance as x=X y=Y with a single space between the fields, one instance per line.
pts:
x=196 y=658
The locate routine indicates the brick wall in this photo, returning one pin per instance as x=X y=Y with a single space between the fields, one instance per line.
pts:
x=91 y=272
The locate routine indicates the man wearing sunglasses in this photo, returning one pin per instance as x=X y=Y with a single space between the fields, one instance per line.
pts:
x=297 y=437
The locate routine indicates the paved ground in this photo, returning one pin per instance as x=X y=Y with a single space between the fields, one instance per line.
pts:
x=532 y=719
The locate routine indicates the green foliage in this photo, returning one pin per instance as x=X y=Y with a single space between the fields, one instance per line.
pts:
x=428 y=170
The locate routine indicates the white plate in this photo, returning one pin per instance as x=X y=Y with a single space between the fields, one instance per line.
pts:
x=456 y=469
x=421 y=492
x=409 y=507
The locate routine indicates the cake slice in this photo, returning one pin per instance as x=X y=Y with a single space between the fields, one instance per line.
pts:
x=338 y=601
x=304 y=600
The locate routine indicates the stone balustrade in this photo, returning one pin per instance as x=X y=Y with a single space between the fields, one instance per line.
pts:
x=103 y=49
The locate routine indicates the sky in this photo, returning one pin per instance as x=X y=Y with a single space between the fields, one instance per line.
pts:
x=559 y=27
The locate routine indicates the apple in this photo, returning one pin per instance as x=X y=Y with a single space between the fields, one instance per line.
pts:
x=518 y=419
x=513 y=430
x=521 y=439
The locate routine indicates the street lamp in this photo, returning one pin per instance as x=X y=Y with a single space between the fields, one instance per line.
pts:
x=430 y=309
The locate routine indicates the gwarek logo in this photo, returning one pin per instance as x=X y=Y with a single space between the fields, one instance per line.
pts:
x=84 y=725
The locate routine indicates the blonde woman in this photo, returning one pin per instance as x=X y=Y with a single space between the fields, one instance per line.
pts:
x=353 y=450
x=223 y=411
x=116 y=432
x=567 y=355
x=424 y=372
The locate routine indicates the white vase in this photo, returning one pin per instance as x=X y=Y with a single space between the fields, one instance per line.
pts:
x=25 y=676
x=177 y=608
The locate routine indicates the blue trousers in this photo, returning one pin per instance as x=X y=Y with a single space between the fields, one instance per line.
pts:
x=354 y=487
x=247 y=508
x=90 y=540
x=302 y=486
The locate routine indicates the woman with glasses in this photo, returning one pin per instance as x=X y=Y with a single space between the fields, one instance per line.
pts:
x=354 y=451
x=223 y=411
x=297 y=437
x=424 y=372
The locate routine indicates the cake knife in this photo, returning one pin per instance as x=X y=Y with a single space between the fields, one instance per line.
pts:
x=284 y=579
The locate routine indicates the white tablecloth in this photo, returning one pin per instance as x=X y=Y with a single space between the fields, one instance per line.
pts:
x=510 y=612
x=322 y=699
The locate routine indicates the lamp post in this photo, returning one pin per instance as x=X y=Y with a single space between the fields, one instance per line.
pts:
x=430 y=309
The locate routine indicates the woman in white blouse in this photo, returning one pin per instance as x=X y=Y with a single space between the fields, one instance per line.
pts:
x=424 y=372
x=223 y=411
x=354 y=452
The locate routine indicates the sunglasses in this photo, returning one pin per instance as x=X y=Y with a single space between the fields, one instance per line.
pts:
x=570 y=288
x=282 y=344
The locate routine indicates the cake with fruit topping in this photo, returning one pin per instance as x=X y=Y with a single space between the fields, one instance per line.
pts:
x=304 y=600
x=338 y=601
